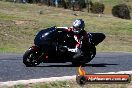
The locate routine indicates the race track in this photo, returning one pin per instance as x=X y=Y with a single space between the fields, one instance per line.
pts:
x=12 y=67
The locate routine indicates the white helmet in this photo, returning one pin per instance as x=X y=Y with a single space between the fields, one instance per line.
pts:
x=78 y=25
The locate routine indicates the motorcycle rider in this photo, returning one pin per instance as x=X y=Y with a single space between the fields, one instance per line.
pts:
x=81 y=37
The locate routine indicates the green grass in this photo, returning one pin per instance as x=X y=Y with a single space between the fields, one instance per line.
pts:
x=20 y=22
x=71 y=84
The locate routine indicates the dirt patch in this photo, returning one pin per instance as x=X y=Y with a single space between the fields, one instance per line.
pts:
x=19 y=22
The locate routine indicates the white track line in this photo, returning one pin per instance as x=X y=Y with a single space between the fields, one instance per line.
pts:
x=51 y=79
x=114 y=52
x=119 y=72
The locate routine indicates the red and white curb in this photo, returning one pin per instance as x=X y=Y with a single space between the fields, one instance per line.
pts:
x=51 y=79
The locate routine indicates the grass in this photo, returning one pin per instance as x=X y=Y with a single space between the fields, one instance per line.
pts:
x=20 y=22
x=72 y=84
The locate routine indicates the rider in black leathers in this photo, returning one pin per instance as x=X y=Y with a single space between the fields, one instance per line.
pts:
x=80 y=35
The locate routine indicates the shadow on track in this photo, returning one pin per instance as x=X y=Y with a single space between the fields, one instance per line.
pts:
x=86 y=65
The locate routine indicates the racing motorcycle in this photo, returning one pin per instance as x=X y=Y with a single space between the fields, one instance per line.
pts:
x=52 y=46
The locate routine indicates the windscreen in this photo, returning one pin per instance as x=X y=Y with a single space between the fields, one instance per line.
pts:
x=45 y=35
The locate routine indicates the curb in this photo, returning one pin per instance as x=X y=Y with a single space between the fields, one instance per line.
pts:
x=24 y=82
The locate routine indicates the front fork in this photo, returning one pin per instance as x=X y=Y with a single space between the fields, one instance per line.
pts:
x=42 y=56
x=34 y=48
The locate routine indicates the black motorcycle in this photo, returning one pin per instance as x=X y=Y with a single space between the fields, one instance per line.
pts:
x=50 y=46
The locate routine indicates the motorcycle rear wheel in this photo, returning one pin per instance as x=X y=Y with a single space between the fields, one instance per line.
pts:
x=83 y=60
x=30 y=59
x=92 y=53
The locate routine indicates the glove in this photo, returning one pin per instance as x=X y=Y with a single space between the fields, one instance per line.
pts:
x=75 y=50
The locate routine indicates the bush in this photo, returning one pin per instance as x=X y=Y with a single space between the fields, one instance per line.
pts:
x=82 y=3
x=97 y=7
x=79 y=4
x=121 y=11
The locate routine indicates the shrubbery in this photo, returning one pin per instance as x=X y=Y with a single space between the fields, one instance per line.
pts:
x=121 y=11
x=97 y=7
x=79 y=4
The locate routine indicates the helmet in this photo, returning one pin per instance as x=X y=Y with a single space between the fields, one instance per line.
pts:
x=78 y=26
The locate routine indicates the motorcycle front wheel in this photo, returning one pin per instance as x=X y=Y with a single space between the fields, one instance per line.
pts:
x=30 y=58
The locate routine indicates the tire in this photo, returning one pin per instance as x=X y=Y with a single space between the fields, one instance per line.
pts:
x=29 y=59
x=86 y=59
x=92 y=53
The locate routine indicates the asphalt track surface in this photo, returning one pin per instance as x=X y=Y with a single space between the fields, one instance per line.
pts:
x=12 y=67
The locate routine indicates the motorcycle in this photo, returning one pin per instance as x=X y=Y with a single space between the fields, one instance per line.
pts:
x=50 y=46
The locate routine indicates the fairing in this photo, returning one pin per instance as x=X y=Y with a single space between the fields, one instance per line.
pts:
x=45 y=36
